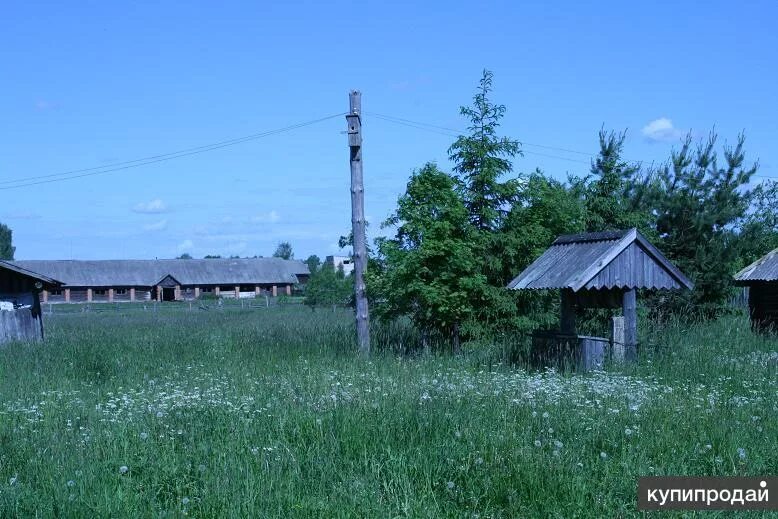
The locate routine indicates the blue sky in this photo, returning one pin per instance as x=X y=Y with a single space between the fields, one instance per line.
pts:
x=91 y=83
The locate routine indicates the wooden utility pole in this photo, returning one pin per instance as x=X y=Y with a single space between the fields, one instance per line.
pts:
x=354 y=121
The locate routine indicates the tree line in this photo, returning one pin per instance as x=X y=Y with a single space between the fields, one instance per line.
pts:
x=459 y=236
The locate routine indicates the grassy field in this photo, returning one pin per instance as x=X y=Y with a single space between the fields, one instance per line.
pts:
x=262 y=413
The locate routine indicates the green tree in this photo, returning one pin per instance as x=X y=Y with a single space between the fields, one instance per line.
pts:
x=212 y=256
x=328 y=287
x=759 y=232
x=284 y=251
x=185 y=255
x=313 y=263
x=699 y=207
x=6 y=243
x=614 y=194
x=481 y=158
x=546 y=209
x=432 y=271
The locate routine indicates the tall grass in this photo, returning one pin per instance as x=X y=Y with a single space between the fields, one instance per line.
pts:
x=261 y=413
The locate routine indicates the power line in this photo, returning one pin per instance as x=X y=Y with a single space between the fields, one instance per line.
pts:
x=452 y=132
x=119 y=166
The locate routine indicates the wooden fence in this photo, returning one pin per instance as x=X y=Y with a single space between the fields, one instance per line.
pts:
x=19 y=325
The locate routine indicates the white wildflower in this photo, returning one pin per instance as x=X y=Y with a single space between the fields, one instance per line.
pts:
x=185 y=501
x=450 y=485
x=12 y=480
x=545 y=414
x=123 y=469
x=558 y=444
x=741 y=452
x=144 y=435
x=603 y=455
x=537 y=443
x=71 y=483
x=628 y=431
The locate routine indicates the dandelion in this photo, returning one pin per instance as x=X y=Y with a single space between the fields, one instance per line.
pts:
x=603 y=455
x=628 y=431
x=185 y=501
x=558 y=444
x=144 y=435
x=450 y=485
x=479 y=461
x=741 y=452
x=537 y=443
x=545 y=414
x=123 y=469
x=160 y=414
x=71 y=483
x=708 y=447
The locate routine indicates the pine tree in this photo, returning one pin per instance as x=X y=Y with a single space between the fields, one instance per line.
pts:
x=6 y=243
x=699 y=207
x=482 y=157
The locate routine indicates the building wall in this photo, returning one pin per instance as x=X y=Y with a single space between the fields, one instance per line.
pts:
x=183 y=293
x=763 y=304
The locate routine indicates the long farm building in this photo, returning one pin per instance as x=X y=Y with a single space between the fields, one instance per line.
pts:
x=168 y=279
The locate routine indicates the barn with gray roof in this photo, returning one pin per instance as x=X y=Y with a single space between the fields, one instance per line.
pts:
x=167 y=279
x=761 y=278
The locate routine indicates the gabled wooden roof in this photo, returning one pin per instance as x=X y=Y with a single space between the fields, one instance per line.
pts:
x=601 y=260
x=763 y=269
x=16 y=269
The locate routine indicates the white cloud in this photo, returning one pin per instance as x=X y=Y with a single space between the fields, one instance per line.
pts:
x=156 y=226
x=185 y=246
x=271 y=217
x=661 y=130
x=155 y=206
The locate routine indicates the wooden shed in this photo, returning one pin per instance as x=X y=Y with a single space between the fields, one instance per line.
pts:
x=601 y=270
x=20 y=307
x=761 y=278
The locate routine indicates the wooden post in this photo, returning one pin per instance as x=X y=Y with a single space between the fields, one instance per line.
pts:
x=289 y=290
x=177 y=293
x=67 y=295
x=237 y=292
x=256 y=290
x=567 y=317
x=275 y=291
x=89 y=294
x=630 y=310
x=197 y=292
x=110 y=295
x=354 y=129
x=216 y=291
x=45 y=296
x=159 y=294
x=132 y=294
x=617 y=339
